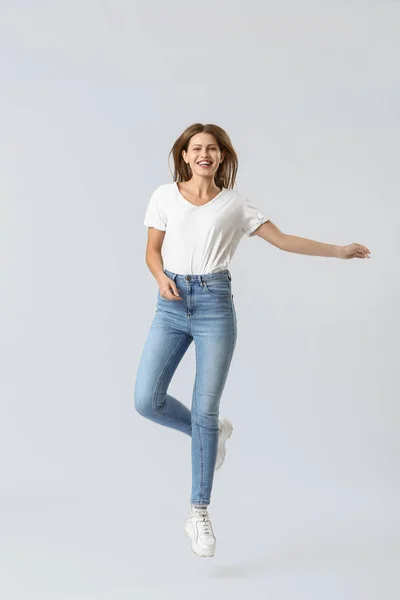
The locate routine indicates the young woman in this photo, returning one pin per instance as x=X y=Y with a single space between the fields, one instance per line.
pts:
x=194 y=227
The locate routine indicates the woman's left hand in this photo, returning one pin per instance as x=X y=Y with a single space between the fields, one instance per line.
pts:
x=354 y=251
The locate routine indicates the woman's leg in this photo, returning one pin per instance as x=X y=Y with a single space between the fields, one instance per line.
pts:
x=164 y=348
x=214 y=352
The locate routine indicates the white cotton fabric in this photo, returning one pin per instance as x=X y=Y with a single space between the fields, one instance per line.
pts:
x=200 y=239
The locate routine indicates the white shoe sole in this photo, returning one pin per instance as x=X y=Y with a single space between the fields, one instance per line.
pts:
x=226 y=434
x=198 y=550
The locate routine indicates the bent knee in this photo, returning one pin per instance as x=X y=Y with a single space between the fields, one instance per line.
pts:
x=143 y=404
x=148 y=405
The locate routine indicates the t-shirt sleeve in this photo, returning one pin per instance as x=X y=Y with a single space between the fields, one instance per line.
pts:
x=156 y=211
x=252 y=217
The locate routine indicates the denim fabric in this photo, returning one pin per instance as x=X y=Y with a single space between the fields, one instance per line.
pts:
x=206 y=314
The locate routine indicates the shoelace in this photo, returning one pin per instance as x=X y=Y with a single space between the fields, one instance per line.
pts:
x=205 y=521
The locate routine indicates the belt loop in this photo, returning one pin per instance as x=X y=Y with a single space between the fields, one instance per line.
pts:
x=229 y=275
x=173 y=275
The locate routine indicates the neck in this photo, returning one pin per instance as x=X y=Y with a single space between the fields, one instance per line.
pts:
x=202 y=187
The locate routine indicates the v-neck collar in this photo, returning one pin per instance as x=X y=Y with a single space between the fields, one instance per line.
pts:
x=197 y=205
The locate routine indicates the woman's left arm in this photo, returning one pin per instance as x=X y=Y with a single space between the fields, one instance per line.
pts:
x=292 y=243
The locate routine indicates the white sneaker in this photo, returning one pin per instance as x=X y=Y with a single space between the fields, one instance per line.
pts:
x=225 y=432
x=198 y=527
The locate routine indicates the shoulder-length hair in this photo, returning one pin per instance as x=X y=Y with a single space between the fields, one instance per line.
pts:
x=226 y=174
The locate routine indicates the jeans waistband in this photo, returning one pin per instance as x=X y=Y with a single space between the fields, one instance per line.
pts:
x=194 y=278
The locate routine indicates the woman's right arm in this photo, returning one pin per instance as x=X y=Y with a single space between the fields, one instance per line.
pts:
x=154 y=261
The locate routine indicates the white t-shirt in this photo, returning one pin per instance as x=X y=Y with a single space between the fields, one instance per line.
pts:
x=200 y=239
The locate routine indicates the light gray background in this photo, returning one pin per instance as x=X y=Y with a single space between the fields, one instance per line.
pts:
x=94 y=497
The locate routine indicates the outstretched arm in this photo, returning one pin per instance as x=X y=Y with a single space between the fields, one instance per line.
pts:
x=298 y=245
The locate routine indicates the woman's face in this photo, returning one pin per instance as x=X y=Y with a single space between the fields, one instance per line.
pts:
x=203 y=147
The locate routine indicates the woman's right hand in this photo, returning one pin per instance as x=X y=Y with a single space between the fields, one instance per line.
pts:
x=165 y=292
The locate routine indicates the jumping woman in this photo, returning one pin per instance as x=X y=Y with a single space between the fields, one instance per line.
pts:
x=194 y=226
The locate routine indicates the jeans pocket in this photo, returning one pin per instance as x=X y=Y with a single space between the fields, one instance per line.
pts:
x=218 y=287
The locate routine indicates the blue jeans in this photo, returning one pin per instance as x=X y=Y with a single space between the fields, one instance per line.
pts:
x=206 y=314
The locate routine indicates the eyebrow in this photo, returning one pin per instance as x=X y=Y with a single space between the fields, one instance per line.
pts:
x=200 y=145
